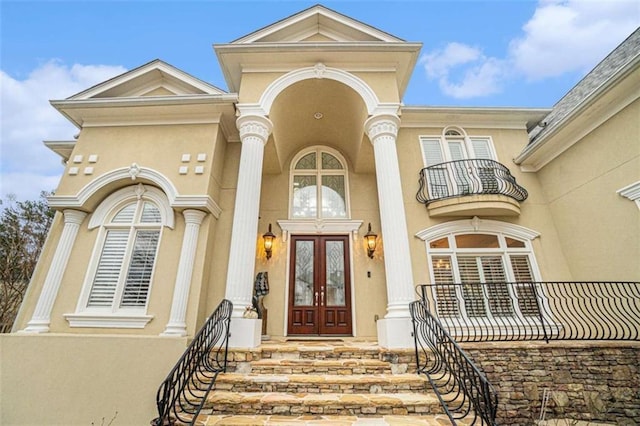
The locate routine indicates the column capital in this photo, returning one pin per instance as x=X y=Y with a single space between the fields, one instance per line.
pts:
x=74 y=217
x=382 y=125
x=254 y=126
x=193 y=216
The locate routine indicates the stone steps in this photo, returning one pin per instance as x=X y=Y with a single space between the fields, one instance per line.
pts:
x=296 y=404
x=326 y=366
x=321 y=383
x=330 y=383
x=318 y=420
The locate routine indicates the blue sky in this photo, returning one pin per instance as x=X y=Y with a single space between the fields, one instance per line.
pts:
x=475 y=53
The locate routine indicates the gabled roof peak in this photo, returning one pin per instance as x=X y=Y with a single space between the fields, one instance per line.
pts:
x=317 y=24
x=154 y=77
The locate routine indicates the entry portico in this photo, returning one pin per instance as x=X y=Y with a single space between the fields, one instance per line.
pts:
x=381 y=127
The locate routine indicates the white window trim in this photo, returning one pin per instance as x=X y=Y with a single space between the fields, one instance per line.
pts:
x=110 y=317
x=481 y=226
x=632 y=192
x=319 y=173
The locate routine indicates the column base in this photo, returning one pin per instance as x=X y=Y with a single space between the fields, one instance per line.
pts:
x=395 y=333
x=175 y=330
x=36 y=326
x=245 y=333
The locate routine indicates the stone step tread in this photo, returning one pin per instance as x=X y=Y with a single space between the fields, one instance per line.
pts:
x=369 y=379
x=320 y=362
x=275 y=420
x=322 y=399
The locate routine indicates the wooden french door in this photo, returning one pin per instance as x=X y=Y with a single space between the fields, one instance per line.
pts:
x=319 y=286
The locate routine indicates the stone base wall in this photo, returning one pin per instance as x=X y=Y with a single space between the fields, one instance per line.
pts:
x=589 y=381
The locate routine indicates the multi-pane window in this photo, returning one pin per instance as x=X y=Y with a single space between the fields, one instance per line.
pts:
x=319 y=185
x=458 y=164
x=472 y=271
x=124 y=271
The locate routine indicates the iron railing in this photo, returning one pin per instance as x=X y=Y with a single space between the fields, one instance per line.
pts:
x=463 y=390
x=183 y=393
x=511 y=311
x=467 y=177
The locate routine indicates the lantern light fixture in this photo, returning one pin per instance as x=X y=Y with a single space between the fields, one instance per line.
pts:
x=371 y=240
x=268 y=238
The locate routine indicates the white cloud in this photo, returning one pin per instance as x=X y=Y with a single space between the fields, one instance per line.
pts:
x=27 y=118
x=562 y=36
x=573 y=35
x=481 y=74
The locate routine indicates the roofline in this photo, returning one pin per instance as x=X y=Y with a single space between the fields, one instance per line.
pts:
x=557 y=126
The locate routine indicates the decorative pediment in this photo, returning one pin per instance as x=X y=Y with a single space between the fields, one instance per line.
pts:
x=317 y=24
x=156 y=78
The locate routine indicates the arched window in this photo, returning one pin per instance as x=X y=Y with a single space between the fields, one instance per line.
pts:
x=471 y=267
x=319 y=185
x=119 y=278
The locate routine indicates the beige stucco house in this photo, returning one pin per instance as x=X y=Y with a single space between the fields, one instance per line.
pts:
x=171 y=184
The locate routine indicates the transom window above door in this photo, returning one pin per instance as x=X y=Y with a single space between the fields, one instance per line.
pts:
x=319 y=187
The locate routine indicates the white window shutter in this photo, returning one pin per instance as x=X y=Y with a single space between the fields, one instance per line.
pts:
x=143 y=257
x=481 y=149
x=109 y=267
x=432 y=151
x=456 y=149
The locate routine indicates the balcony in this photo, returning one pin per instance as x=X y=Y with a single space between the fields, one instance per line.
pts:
x=477 y=187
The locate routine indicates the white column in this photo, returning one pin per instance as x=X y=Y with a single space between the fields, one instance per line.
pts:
x=395 y=329
x=177 y=325
x=42 y=315
x=254 y=133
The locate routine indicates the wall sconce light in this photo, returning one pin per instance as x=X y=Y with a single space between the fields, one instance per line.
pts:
x=268 y=242
x=371 y=239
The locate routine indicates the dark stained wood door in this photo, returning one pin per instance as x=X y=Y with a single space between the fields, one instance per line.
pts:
x=319 y=286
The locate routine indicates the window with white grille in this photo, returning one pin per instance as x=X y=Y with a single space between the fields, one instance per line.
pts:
x=454 y=144
x=472 y=272
x=120 y=276
x=124 y=271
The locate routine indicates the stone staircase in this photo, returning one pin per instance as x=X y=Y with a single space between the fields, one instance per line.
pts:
x=321 y=383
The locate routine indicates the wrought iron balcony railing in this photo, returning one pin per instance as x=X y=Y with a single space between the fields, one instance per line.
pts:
x=501 y=311
x=467 y=177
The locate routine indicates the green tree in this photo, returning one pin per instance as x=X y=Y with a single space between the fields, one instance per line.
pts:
x=23 y=230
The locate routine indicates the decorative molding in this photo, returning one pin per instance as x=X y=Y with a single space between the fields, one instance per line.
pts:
x=631 y=192
x=199 y=170
x=138 y=191
x=183 y=170
x=104 y=320
x=320 y=226
x=477 y=225
x=134 y=171
x=318 y=71
x=77 y=159
x=186 y=158
x=93 y=158
x=176 y=200
x=202 y=157
x=382 y=126
x=73 y=171
x=88 y=170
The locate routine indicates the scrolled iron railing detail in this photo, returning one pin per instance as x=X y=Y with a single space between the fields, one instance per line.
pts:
x=551 y=310
x=463 y=390
x=183 y=393
x=467 y=177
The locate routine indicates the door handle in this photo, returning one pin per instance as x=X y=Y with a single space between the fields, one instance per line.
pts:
x=322 y=295
x=316 y=298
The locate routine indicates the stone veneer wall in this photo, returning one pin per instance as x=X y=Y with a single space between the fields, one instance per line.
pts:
x=598 y=381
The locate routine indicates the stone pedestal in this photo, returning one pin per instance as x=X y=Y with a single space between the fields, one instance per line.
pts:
x=395 y=333
x=245 y=332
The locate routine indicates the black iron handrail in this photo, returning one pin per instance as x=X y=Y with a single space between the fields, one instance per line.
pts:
x=467 y=177
x=185 y=389
x=463 y=390
x=512 y=311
